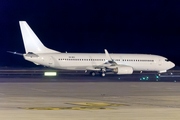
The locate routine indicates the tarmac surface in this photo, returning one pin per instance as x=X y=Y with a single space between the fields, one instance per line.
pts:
x=83 y=97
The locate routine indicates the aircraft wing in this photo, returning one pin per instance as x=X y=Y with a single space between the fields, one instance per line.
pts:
x=109 y=64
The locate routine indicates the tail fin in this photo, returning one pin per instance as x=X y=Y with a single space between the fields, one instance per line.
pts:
x=31 y=41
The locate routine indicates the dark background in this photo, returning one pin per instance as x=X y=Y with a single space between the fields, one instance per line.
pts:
x=90 y=26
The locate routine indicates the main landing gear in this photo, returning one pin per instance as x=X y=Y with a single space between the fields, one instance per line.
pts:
x=103 y=74
x=93 y=73
x=103 y=70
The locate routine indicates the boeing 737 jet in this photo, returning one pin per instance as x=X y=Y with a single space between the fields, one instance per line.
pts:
x=100 y=63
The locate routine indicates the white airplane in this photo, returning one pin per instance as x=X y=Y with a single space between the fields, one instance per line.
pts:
x=37 y=53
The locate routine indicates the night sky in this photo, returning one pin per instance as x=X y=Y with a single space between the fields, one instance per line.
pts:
x=90 y=26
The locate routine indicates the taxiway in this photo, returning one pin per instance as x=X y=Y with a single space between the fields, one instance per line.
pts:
x=76 y=97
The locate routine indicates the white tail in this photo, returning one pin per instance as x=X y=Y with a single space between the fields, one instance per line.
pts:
x=31 y=41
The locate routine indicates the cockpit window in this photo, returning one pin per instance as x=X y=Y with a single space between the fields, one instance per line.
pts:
x=166 y=60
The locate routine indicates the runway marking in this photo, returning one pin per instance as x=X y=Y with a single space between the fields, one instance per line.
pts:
x=98 y=104
x=65 y=108
x=89 y=106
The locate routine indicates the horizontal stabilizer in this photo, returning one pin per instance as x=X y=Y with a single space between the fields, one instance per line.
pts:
x=15 y=53
x=31 y=54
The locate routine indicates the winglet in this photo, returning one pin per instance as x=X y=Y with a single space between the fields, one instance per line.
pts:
x=110 y=60
x=107 y=55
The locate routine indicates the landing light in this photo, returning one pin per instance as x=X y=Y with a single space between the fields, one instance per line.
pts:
x=50 y=73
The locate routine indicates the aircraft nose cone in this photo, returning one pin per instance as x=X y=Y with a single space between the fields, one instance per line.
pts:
x=172 y=64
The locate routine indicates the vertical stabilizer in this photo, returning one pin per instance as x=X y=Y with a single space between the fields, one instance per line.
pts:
x=31 y=41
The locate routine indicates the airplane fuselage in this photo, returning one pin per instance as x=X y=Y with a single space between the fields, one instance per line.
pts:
x=84 y=61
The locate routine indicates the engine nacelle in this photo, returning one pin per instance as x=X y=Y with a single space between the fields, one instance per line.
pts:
x=123 y=70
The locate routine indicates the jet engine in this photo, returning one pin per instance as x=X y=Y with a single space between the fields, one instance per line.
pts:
x=123 y=70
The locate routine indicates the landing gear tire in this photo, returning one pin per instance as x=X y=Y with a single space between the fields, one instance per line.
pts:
x=103 y=74
x=93 y=73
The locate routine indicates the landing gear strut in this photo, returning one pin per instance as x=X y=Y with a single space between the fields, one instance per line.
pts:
x=103 y=72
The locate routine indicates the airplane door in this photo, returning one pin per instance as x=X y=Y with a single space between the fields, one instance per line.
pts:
x=51 y=62
x=160 y=62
